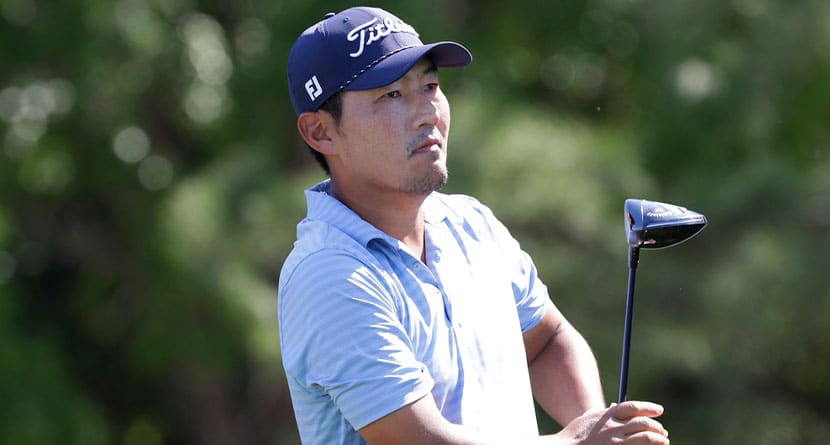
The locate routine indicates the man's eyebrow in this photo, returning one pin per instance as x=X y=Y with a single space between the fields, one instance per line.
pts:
x=431 y=68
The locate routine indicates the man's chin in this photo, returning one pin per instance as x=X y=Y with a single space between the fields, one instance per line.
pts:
x=435 y=181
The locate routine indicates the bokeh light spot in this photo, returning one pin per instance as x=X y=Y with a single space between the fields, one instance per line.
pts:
x=205 y=41
x=695 y=80
x=131 y=145
x=155 y=173
x=205 y=103
x=252 y=40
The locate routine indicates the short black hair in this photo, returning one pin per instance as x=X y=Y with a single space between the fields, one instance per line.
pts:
x=333 y=106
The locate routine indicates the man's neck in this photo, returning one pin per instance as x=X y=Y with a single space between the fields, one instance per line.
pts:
x=398 y=215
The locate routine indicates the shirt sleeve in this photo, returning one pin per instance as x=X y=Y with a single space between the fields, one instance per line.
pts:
x=341 y=336
x=529 y=291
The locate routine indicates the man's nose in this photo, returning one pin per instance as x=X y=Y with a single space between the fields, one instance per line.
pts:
x=429 y=110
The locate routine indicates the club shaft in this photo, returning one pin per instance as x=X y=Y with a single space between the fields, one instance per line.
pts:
x=634 y=254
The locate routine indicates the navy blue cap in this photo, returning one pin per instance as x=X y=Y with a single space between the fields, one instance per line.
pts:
x=359 y=49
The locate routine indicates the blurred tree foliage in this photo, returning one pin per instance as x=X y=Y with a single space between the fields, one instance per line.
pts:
x=151 y=178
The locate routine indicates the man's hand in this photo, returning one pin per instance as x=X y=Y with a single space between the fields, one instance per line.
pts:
x=629 y=423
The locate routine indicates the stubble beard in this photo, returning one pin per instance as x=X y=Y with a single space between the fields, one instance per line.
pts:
x=435 y=179
x=432 y=182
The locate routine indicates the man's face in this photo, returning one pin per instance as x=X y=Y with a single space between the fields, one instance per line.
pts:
x=394 y=138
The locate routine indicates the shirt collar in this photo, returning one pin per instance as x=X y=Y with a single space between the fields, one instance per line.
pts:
x=322 y=206
x=435 y=209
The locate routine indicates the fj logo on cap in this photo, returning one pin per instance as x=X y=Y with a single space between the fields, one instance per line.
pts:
x=312 y=86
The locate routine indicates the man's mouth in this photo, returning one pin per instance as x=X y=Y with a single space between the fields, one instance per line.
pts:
x=428 y=145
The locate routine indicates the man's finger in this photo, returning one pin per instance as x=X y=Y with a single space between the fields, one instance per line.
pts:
x=633 y=408
x=647 y=438
x=643 y=424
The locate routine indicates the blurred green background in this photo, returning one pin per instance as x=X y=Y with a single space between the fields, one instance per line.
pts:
x=151 y=179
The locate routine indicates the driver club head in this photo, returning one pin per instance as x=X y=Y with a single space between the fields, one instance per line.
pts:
x=655 y=225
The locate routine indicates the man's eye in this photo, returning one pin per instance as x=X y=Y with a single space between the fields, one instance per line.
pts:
x=432 y=86
x=393 y=94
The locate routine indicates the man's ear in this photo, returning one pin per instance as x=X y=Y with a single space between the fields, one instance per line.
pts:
x=315 y=128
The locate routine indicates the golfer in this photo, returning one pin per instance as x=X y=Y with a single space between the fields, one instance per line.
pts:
x=408 y=316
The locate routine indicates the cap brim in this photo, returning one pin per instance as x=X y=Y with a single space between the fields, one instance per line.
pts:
x=392 y=68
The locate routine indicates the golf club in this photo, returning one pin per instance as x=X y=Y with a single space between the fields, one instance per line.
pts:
x=650 y=225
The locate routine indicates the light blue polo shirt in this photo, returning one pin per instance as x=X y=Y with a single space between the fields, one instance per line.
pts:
x=366 y=328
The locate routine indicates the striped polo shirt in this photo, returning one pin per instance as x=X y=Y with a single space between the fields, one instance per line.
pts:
x=366 y=328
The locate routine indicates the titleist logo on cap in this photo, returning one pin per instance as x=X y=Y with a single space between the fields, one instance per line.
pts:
x=373 y=30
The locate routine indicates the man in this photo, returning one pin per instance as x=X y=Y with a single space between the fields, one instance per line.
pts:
x=407 y=315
